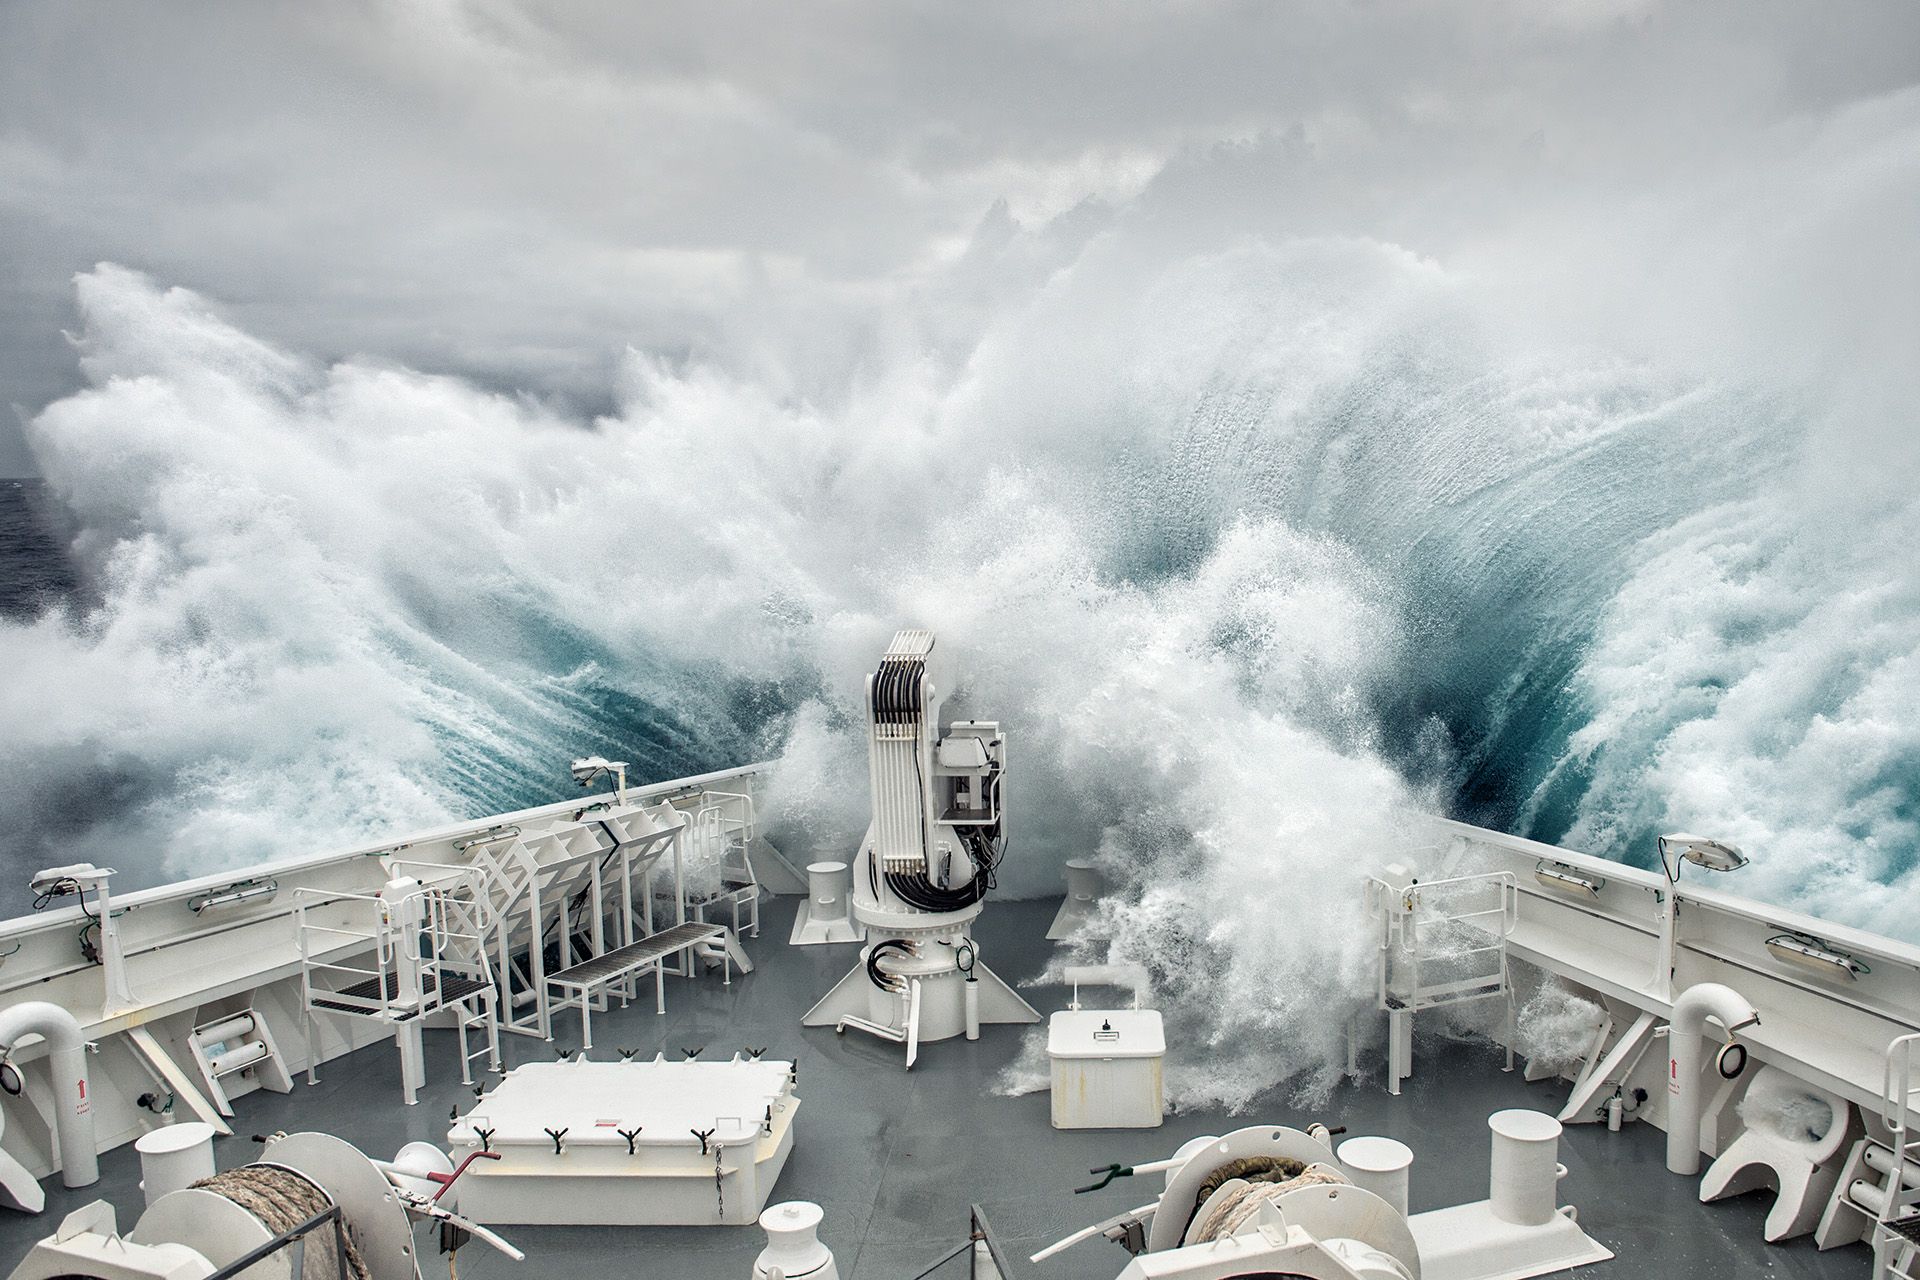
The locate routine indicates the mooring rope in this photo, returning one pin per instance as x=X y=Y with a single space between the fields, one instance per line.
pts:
x=1238 y=1205
x=282 y=1200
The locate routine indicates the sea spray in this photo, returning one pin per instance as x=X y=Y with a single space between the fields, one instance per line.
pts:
x=1255 y=548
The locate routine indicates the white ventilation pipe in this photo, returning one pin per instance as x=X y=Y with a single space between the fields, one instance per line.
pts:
x=67 y=1059
x=1684 y=1048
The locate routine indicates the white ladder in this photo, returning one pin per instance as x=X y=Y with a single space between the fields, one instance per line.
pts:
x=722 y=831
x=1894 y=1249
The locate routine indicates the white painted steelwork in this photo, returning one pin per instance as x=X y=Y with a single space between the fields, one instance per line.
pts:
x=1832 y=1034
x=67 y=1062
x=190 y=968
x=924 y=867
x=629 y=1143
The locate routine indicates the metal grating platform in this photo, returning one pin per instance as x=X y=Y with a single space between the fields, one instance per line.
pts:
x=655 y=946
x=367 y=993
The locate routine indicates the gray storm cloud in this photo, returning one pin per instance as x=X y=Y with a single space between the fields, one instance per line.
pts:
x=520 y=193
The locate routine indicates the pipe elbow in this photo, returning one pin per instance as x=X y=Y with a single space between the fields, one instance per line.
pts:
x=42 y=1018
x=1712 y=1000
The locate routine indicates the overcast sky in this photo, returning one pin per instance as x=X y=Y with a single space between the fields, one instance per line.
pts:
x=519 y=193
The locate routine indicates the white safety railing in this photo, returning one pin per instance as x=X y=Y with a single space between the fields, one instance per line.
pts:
x=1893 y=1254
x=460 y=916
x=721 y=832
x=1415 y=916
x=723 y=816
x=448 y=941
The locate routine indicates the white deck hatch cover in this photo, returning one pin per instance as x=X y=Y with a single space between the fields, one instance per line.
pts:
x=1106 y=1033
x=593 y=1101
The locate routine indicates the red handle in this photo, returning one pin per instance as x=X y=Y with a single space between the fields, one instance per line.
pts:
x=446 y=1180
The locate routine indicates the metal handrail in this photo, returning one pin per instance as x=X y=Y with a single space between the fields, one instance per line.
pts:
x=447 y=922
x=1900 y=1198
x=1399 y=911
x=1898 y=1103
x=1508 y=910
x=741 y=798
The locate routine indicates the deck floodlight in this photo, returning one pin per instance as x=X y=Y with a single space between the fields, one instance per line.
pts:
x=1811 y=953
x=1562 y=878
x=58 y=882
x=1714 y=855
x=234 y=894
x=587 y=768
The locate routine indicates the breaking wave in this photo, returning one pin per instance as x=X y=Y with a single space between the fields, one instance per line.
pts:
x=1256 y=547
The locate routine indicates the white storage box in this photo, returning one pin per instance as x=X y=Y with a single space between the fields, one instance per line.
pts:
x=1107 y=1067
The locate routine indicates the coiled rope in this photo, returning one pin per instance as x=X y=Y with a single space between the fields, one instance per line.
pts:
x=1237 y=1206
x=282 y=1200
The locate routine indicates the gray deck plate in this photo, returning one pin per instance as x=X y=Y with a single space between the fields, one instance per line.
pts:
x=895 y=1157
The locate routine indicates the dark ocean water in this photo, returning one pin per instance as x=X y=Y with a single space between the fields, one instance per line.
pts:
x=35 y=571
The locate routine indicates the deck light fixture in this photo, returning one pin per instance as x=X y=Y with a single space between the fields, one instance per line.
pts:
x=588 y=768
x=1562 y=878
x=1676 y=848
x=1811 y=953
x=1714 y=855
x=232 y=895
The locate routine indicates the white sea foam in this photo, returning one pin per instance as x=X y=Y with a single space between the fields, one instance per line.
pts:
x=1255 y=544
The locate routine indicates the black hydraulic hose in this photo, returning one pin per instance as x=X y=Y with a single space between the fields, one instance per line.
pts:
x=919 y=892
x=886 y=981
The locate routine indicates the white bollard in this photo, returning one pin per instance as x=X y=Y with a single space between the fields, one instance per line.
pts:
x=1085 y=884
x=174 y=1158
x=1525 y=1184
x=825 y=916
x=1378 y=1165
x=827 y=884
x=794 y=1251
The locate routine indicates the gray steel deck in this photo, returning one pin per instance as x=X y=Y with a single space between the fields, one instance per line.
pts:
x=895 y=1158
